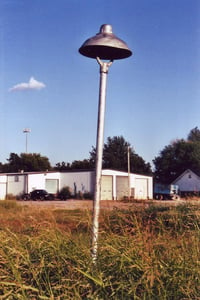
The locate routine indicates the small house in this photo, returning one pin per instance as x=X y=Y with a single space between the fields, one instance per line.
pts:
x=188 y=182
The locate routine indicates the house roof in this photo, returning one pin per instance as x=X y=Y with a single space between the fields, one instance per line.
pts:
x=104 y=172
x=188 y=171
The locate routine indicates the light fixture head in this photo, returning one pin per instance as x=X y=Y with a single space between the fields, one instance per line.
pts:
x=105 y=45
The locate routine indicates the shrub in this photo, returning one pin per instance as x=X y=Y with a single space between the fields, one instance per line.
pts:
x=88 y=196
x=10 y=197
x=65 y=193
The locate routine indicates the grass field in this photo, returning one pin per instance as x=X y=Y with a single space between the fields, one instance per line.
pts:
x=144 y=253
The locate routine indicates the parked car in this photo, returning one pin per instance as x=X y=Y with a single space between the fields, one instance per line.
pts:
x=41 y=195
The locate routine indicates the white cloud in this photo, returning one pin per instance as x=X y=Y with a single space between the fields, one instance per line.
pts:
x=33 y=84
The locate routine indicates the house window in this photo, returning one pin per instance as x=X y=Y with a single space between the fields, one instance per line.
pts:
x=16 y=178
x=189 y=176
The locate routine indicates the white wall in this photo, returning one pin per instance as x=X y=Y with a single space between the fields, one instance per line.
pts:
x=15 y=184
x=189 y=182
x=3 y=186
x=38 y=180
x=114 y=174
x=142 y=184
x=78 y=181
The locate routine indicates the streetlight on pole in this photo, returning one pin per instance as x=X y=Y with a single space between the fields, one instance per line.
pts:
x=26 y=131
x=129 y=183
x=103 y=46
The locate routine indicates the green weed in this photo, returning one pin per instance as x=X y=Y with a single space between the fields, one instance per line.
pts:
x=142 y=254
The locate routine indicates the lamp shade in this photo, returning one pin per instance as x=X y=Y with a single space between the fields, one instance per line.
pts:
x=105 y=45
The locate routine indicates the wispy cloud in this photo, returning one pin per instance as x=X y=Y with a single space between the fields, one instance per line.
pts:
x=33 y=84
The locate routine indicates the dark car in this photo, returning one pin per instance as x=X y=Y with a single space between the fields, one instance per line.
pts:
x=41 y=195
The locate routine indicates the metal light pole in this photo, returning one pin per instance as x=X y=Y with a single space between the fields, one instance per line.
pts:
x=103 y=46
x=26 y=131
x=129 y=181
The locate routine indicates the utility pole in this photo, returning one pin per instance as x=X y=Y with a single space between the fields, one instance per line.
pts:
x=26 y=131
x=129 y=183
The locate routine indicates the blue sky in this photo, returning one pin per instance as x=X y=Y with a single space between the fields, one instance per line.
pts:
x=47 y=86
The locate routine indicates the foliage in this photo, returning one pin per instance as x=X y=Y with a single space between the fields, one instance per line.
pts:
x=84 y=196
x=85 y=164
x=82 y=164
x=65 y=193
x=10 y=197
x=115 y=156
x=88 y=195
x=27 y=162
x=62 y=166
x=47 y=256
x=194 y=135
x=175 y=158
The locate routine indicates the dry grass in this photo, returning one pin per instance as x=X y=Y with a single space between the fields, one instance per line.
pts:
x=148 y=253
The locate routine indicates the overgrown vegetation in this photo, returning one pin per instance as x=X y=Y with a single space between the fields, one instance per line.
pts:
x=177 y=157
x=66 y=193
x=150 y=253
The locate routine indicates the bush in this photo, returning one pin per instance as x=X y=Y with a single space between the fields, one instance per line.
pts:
x=10 y=197
x=88 y=196
x=84 y=196
x=65 y=193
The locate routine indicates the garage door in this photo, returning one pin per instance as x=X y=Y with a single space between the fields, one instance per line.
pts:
x=106 y=187
x=122 y=187
x=52 y=186
x=141 y=188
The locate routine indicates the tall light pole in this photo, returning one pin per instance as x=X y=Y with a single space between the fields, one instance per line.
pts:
x=103 y=46
x=26 y=131
x=129 y=181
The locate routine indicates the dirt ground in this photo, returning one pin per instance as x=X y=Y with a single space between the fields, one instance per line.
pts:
x=104 y=204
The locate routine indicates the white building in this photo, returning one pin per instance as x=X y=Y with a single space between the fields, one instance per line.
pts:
x=3 y=186
x=114 y=186
x=188 y=182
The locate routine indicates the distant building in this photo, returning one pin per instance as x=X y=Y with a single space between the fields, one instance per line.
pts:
x=188 y=182
x=114 y=185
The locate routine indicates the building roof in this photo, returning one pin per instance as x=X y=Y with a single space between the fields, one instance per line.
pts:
x=188 y=171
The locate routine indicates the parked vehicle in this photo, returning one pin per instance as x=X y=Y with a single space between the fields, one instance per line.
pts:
x=41 y=195
x=166 y=191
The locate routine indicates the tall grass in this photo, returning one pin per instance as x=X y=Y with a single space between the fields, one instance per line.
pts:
x=149 y=253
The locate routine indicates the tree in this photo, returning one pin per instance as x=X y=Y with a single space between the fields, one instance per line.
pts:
x=34 y=162
x=62 y=166
x=175 y=158
x=27 y=162
x=85 y=164
x=115 y=156
x=82 y=164
x=14 y=163
x=194 y=135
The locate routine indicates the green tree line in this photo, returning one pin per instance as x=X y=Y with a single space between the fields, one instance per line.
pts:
x=177 y=157
x=173 y=160
x=115 y=156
